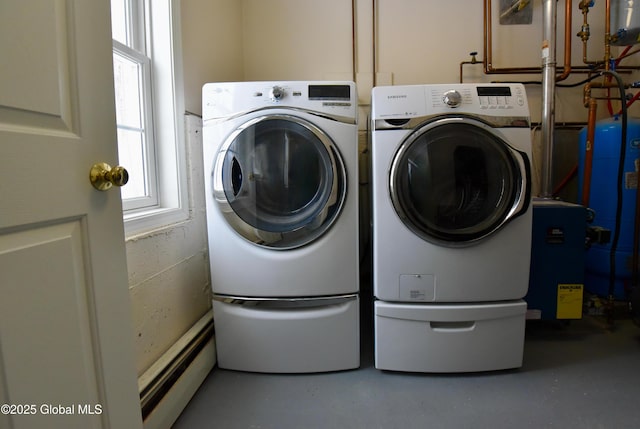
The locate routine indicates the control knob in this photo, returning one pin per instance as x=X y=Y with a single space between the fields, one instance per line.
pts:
x=452 y=98
x=276 y=93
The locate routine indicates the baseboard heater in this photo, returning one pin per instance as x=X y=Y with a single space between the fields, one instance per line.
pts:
x=163 y=374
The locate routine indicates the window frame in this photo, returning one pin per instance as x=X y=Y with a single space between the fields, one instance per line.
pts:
x=161 y=19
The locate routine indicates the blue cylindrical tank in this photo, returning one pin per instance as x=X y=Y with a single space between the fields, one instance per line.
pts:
x=603 y=200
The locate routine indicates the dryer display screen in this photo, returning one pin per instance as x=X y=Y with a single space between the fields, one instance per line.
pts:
x=329 y=92
x=496 y=91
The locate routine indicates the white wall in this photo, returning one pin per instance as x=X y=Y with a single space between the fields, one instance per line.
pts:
x=212 y=34
x=169 y=268
x=297 y=40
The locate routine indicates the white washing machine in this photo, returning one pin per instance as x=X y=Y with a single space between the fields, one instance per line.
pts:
x=282 y=214
x=451 y=226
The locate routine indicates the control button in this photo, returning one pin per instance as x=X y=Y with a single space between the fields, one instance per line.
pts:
x=452 y=98
x=484 y=100
x=276 y=93
x=520 y=101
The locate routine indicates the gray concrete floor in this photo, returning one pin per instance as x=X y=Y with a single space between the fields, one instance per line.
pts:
x=584 y=374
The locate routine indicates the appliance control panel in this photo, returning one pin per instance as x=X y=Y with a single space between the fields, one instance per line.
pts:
x=492 y=97
x=483 y=99
x=323 y=92
x=500 y=97
x=338 y=98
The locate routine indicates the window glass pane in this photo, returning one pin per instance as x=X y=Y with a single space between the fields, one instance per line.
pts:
x=119 y=20
x=127 y=86
x=131 y=153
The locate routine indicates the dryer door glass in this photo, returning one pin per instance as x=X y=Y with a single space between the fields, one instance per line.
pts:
x=456 y=182
x=281 y=181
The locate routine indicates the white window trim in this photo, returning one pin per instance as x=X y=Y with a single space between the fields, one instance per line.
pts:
x=168 y=100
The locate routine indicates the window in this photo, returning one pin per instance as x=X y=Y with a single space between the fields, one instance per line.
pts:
x=134 y=112
x=149 y=111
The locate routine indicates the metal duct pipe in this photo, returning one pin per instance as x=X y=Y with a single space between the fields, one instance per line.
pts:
x=549 y=23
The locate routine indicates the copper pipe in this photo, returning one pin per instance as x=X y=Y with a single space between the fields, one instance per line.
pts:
x=592 y=104
x=607 y=34
x=584 y=32
x=487 y=36
x=587 y=90
x=474 y=60
x=566 y=71
x=568 y=68
x=374 y=31
x=488 y=46
x=354 y=55
x=588 y=151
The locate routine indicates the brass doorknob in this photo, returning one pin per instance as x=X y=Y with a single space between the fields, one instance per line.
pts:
x=103 y=176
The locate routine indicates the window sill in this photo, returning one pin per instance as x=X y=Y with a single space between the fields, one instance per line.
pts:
x=145 y=221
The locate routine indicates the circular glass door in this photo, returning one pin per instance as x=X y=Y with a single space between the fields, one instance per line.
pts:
x=279 y=181
x=456 y=181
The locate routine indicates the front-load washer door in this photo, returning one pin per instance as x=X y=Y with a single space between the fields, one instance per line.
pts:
x=456 y=180
x=279 y=181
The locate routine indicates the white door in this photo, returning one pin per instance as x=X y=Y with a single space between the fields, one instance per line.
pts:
x=66 y=346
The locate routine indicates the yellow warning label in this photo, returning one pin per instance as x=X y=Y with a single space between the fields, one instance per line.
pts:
x=569 y=301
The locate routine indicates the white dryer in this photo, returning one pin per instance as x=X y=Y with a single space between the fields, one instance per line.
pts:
x=451 y=226
x=282 y=215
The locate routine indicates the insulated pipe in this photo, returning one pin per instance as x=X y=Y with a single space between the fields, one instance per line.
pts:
x=549 y=21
